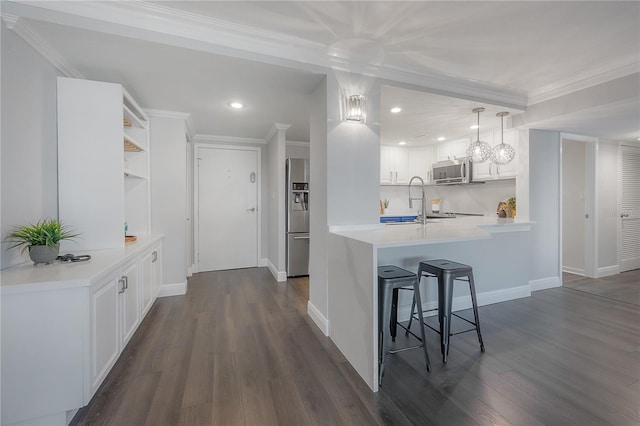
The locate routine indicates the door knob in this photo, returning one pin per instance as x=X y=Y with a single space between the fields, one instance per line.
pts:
x=252 y=209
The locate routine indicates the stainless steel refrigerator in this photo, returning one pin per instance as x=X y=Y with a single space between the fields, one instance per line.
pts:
x=297 y=173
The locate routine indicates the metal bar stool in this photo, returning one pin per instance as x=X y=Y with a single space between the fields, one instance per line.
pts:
x=447 y=272
x=391 y=278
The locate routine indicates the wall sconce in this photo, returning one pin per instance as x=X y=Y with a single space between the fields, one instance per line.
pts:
x=355 y=108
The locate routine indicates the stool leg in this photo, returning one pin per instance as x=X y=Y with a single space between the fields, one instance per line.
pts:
x=417 y=300
x=394 y=315
x=384 y=332
x=413 y=308
x=472 y=288
x=445 y=282
x=413 y=303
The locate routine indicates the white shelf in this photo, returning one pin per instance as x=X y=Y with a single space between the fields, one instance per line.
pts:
x=132 y=118
x=131 y=174
x=129 y=141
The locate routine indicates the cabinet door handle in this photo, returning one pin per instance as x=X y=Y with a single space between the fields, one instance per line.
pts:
x=498 y=169
x=154 y=256
x=396 y=177
x=122 y=287
x=624 y=214
x=490 y=169
x=126 y=282
x=390 y=176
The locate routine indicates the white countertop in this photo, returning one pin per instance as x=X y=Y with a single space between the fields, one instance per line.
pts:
x=435 y=232
x=29 y=277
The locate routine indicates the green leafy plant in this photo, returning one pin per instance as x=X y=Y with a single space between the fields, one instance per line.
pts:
x=512 y=203
x=45 y=232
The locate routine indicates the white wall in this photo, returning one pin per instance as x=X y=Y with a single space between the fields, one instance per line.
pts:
x=607 y=207
x=544 y=205
x=276 y=203
x=573 y=206
x=169 y=194
x=297 y=150
x=346 y=157
x=318 y=284
x=29 y=139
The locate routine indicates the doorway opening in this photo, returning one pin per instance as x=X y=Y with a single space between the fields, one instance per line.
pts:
x=578 y=236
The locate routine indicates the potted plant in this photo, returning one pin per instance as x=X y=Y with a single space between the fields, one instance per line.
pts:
x=42 y=239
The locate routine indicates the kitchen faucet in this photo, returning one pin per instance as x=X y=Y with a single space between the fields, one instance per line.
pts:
x=424 y=199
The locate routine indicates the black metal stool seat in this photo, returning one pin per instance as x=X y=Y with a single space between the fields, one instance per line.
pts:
x=447 y=272
x=391 y=278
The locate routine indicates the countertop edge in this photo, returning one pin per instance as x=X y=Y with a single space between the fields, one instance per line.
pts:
x=125 y=255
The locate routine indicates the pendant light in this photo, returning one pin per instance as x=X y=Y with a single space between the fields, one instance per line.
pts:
x=503 y=153
x=478 y=151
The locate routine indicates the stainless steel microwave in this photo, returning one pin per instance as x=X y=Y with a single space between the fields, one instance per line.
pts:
x=451 y=172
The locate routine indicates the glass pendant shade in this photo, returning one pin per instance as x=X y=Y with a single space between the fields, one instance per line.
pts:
x=502 y=153
x=478 y=151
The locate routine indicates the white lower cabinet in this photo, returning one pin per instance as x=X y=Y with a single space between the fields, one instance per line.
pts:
x=61 y=336
x=104 y=332
x=129 y=294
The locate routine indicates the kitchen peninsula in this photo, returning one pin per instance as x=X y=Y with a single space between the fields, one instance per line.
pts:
x=497 y=249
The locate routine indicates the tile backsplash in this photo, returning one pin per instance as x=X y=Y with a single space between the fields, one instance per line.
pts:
x=472 y=198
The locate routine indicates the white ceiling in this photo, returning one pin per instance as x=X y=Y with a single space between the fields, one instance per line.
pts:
x=522 y=50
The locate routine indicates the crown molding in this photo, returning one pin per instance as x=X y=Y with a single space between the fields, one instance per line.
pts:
x=274 y=129
x=580 y=82
x=227 y=139
x=33 y=39
x=186 y=116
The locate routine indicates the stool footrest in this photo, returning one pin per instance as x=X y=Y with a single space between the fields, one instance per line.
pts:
x=395 y=351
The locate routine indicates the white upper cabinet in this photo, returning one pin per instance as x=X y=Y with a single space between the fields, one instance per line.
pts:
x=103 y=163
x=394 y=165
x=421 y=161
x=452 y=150
x=490 y=171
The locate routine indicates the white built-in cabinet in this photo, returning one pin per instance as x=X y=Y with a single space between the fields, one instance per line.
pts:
x=65 y=325
x=394 y=165
x=103 y=163
x=490 y=171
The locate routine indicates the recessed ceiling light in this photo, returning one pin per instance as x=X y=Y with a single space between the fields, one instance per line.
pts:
x=441 y=138
x=474 y=126
x=402 y=143
x=236 y=105
x=395 y=110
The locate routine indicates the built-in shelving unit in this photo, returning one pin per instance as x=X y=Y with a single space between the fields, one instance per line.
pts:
x=103 y=156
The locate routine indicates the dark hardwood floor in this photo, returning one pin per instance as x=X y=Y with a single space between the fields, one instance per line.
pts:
x=239 y=349
x=624 y=287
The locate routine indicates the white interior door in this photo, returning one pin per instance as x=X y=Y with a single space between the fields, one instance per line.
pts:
x=629 y=212
x=227 y=208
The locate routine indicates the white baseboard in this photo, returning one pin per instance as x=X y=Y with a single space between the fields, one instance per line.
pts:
x=177 y=289
x=464 y=302
x=545 y=283
x=279 y=276
x=262 y=261
x=320 y=320
x=607 y=271
x=575 y=271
